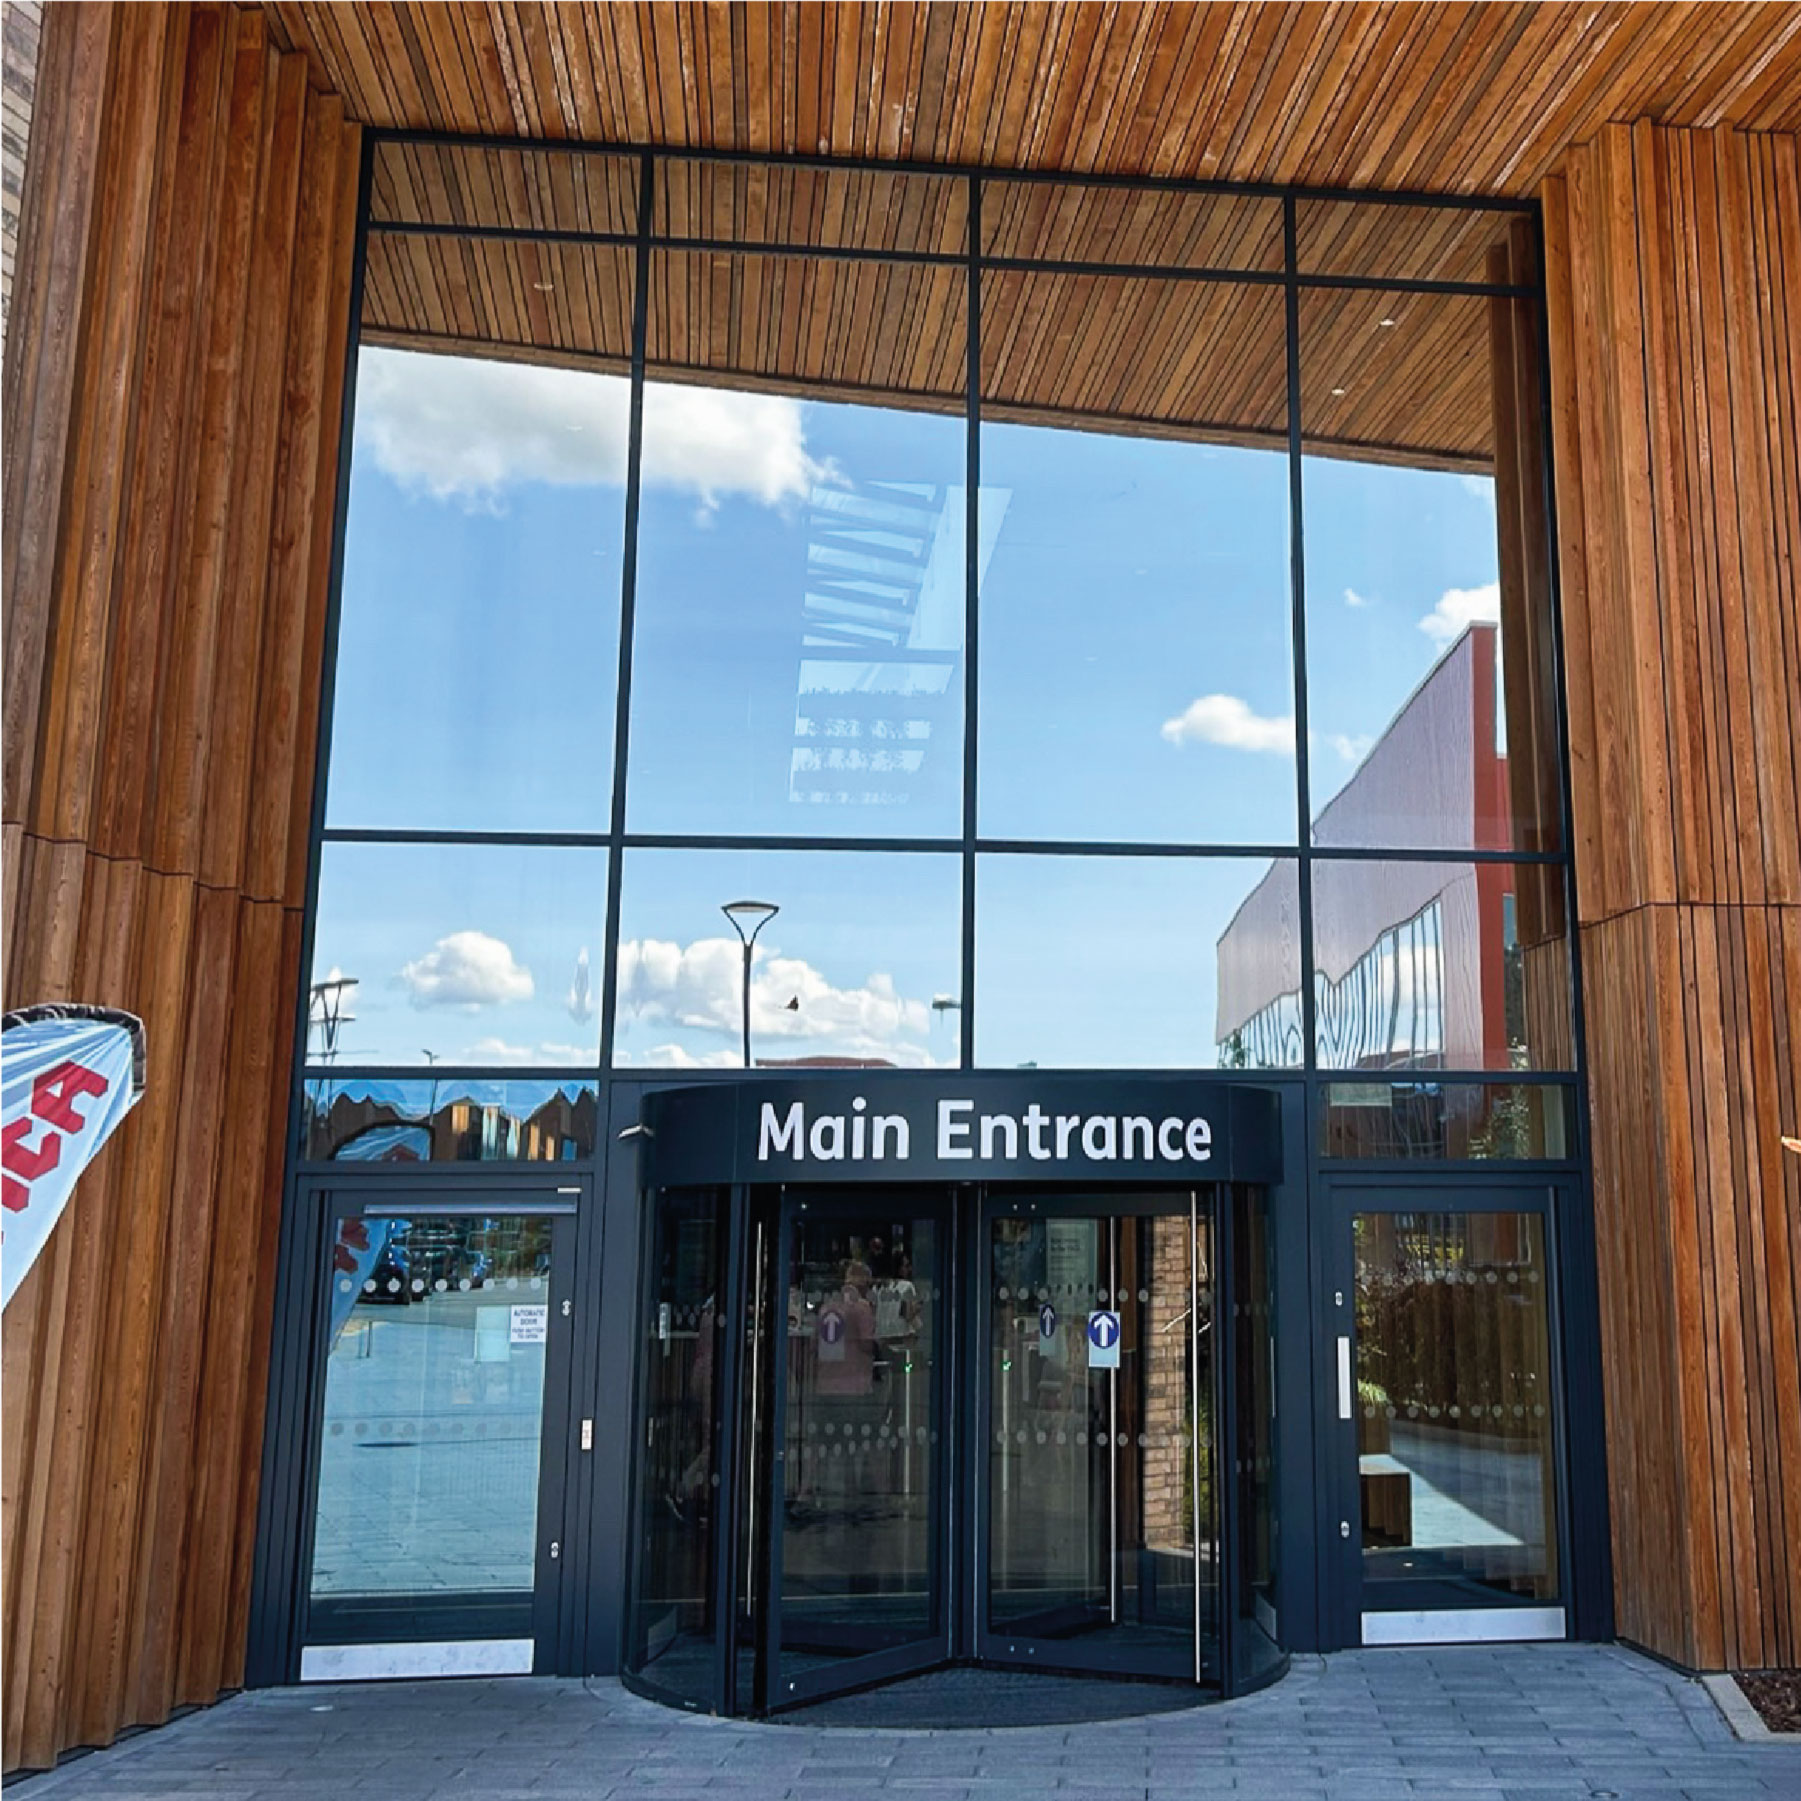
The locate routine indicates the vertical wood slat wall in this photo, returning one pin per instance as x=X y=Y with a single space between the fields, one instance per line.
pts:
x=1674 y=276
x=172 y=396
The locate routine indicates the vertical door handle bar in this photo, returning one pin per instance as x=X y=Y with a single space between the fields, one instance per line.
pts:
x=1344 y=1376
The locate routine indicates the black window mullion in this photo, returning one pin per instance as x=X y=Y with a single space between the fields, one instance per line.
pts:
x=628 y=599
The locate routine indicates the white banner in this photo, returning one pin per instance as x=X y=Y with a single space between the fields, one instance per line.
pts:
x=68 y=1075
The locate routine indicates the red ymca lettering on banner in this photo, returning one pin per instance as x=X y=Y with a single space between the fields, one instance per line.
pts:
x=53 y=1098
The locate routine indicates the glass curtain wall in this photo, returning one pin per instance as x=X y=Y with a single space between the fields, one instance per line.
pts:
x=1111 y=626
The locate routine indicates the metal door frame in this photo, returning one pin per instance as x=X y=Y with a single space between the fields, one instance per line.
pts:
x=1343 y=1615
x=323 y=1200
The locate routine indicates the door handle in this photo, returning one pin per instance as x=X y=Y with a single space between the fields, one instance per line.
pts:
x=1344 y=1376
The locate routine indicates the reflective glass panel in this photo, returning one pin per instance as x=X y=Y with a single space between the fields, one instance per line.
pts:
x=1445 y=1121
x=1404 y=243
x=1454 y=1407
x=1137 y=682
x=480 y=184
x=860 y=1435
x=453 y=1120
x=849 y=209
x=1435 y=965
x=479 y=634
x=544 y=299
x=1157 y=227
x=798 y=666
x=433 y=1417
x=671 y=1629
x=1430 y=689
x=457 y=953
x=1137 y=963
x=860 y=967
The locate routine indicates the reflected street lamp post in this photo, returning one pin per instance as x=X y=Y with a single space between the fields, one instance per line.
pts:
x=761 y=913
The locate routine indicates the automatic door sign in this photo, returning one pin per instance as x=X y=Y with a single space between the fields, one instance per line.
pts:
x=1103 y=1341
x=831 y=1335
x=1047 y=1322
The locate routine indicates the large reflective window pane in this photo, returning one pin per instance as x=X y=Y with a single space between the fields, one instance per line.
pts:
x=433 y=1415
x=1431 y=695
x=1430 y=965
x=1168 y=228
x=447 y=1120
x=798 y=661
x=472 y=954
x=671 y=1627
x=860 y=966
x=1137 y=681
x=1137 y=963
x=1454 y=1407
x=479 y=634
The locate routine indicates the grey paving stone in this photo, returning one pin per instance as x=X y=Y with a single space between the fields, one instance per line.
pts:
x=1535 y=1723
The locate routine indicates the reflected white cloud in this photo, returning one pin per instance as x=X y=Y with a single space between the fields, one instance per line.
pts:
x=465 y=429
x=1352 y=747
x=676 y=1056
x=469 y=970
x=699 y=987
x=1460 y=608
x=1353 y=599
x=497 y=1050
x=1226 y=720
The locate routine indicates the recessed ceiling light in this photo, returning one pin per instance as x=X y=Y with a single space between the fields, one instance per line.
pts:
x=1337 y=393
x=1385 y=323
x=549 y=287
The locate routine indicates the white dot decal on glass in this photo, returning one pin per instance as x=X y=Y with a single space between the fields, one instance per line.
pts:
x=418 y=1285
x=393 y=1285
x=464 y=1285
x=512 y=1281
x=369 y=1286
x=440 y=1285
x=345 y=1285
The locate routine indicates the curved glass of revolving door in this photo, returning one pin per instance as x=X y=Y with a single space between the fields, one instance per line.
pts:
x=1098 y=1407
x=888 y=1428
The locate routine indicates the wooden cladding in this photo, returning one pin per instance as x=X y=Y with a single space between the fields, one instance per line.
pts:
x=172 y=400
x=1674 y=277
x=1472 y=99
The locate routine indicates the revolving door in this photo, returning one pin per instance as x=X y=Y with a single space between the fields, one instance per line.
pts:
x=885 y=1428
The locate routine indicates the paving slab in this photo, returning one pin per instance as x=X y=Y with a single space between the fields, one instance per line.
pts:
x=1463 y=1723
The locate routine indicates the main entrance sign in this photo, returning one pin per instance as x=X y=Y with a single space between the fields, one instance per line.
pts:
x=882 y=1127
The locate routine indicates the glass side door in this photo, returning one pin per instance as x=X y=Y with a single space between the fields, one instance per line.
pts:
x=857 y=1490
x=1446 y=1416
x=1095 y=1456
x=435 y=1532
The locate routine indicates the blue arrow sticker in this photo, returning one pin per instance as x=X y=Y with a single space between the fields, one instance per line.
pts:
x=1103 y=1340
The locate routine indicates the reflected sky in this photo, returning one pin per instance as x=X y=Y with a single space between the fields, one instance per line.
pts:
x=480 y=954
x=799 y=653
x=848 y=969
x=1111 y=962
x=1136 y=679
